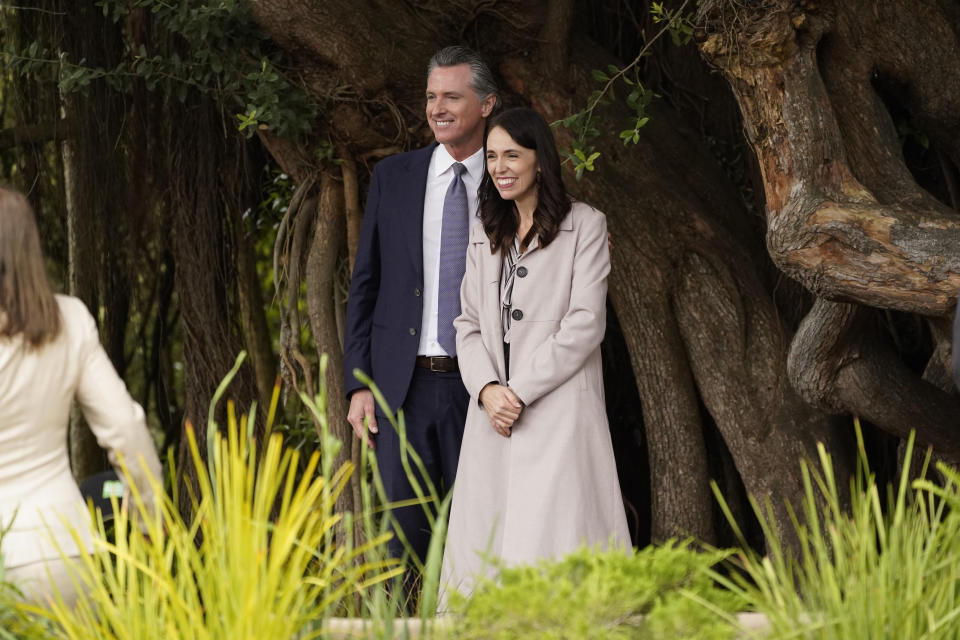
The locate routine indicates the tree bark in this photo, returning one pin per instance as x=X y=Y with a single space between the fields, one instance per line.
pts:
x=30 y=134
x=205 y=273
x=256 y=334
x=845 y=217
x=328 y=237
x=86 y=457
x=96 y=192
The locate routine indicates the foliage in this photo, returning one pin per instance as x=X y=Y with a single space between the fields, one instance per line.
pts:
x=258 y=559
x=384 y=605
x=889 y=567
x=15 y=621
x=214 y=48
x=581 y=153
x=657 y=592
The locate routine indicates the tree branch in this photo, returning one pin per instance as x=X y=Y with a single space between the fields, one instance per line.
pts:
x=34 y=133
x=838 y=366
x=825 y=228
x=556 y=30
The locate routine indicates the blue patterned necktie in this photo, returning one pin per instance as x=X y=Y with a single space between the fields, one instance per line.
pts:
x=453 y=259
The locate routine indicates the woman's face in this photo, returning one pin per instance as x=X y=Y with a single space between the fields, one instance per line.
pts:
x=513 y=168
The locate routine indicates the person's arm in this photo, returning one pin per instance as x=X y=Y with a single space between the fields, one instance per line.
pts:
x=476 y=366
x=116 y=420
x=364 y=288
x=582 y=327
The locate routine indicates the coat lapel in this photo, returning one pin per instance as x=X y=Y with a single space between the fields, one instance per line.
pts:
x=415 y=189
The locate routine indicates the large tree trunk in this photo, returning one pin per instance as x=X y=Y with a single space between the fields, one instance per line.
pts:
x=845 y=216
x=94 y=171
x=324 y=255
x=86 y=457
x=206 y=271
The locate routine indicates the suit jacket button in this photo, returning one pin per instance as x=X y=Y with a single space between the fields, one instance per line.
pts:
x=417 y=292
x=517 y=314
x=413 y=331
x=522 y=272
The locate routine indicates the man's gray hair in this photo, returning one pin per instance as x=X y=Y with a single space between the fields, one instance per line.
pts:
x=481 y=80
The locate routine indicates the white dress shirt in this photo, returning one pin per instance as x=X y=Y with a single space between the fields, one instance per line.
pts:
x=439 y=176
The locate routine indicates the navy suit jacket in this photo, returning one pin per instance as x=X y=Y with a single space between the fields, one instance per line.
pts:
x=385 y=307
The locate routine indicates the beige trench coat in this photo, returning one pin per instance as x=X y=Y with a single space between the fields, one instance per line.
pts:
x=37 y=388
x=552 y=485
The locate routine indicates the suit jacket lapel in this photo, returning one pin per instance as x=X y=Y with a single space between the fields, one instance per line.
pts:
x=415 y=189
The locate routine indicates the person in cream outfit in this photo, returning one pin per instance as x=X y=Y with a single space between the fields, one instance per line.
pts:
x=50 y=355
x=537 y=476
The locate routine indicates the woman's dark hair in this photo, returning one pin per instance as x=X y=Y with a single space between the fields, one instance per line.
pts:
x=530 y=131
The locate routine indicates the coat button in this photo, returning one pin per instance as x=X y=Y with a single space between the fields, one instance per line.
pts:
x=413 y=331
x=417 y=292
x=517 y=314
x=522 y=272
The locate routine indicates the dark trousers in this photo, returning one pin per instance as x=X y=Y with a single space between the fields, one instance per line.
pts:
x=435 y=411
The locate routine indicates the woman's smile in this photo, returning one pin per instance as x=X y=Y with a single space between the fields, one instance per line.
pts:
x=512 y=166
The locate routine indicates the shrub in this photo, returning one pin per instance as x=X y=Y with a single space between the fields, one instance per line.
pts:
x=657 y=592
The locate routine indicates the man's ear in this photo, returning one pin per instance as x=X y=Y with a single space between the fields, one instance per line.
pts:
x=486 y=107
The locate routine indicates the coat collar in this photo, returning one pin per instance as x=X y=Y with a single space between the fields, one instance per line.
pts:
x=477 y=236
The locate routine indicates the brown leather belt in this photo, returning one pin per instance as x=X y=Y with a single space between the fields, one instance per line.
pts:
x=444 y=364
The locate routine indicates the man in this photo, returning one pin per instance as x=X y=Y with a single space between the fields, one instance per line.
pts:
x=405 y=290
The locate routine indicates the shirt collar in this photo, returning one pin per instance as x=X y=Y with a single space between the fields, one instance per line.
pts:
x=442 y=161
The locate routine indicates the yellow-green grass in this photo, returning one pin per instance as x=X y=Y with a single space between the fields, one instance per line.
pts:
x=257 y=559
x=886 y=567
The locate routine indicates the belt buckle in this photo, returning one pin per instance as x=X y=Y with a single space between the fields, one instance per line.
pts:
x=436 y=364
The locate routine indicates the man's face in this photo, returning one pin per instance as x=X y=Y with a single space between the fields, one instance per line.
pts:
x=455 y=113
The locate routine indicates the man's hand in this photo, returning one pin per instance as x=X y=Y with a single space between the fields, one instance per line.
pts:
x=361 y=406
x=502 y=405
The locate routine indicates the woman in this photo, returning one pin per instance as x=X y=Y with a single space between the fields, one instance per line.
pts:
x=50 y=354
x=537 y=477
